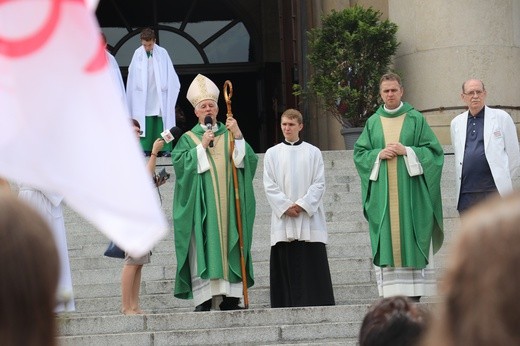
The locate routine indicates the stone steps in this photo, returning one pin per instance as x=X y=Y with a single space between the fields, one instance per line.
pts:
x=170 y=321
x=352 y=293
x=333 y=325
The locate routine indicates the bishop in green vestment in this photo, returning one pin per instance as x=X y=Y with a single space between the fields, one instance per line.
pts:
x=399 y=161
x=204 y=211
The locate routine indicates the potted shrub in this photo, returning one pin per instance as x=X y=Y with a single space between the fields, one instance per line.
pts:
x=349 y=53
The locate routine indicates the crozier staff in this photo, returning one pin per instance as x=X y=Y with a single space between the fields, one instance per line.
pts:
x=228 y=93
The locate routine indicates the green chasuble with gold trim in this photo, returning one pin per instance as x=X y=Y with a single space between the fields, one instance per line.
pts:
x=416 y=216
x=204 y=205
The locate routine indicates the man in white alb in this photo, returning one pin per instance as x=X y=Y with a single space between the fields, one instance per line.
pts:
x=152 y=89
x=294 y=183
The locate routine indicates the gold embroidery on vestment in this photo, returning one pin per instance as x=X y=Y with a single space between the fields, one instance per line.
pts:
x=392 y=131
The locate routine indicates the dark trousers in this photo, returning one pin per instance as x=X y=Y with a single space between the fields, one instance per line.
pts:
x=469 y=199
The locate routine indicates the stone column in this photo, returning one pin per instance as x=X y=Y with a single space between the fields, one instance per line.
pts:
x=325 y=130
x=445 y=42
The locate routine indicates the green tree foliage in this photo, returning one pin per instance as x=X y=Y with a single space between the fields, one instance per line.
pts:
x=349 y=53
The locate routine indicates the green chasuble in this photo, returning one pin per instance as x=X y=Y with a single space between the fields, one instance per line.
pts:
x=419 y=197
x=204 y=205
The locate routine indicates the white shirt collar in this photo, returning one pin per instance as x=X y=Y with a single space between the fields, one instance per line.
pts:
x=392 y=111
x=213 y=128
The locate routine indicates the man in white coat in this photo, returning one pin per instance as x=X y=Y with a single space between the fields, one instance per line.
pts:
x=485 y=144
x=294 y=183
x=152 y=89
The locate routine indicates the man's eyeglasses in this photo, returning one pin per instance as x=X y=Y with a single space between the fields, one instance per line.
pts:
x=139 y=132
x=474 y=93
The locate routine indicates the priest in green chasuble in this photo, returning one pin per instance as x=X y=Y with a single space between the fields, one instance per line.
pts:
x=399 y=161
x=204 y=212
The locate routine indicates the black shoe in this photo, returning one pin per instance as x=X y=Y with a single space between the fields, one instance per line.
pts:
x=415 y=299
x=206 y=306
x=230 y=303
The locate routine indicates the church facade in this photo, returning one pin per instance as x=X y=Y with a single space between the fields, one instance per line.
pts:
x=260 y=46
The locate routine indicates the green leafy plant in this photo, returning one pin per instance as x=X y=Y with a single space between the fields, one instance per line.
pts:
x=349 y=53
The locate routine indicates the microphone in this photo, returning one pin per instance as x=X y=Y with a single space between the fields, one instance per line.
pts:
x=171 y=134
x=209 y=124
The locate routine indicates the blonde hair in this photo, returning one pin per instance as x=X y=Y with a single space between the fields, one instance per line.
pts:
x=292 y=113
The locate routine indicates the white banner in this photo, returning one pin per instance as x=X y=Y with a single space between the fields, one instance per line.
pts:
x=64 y=128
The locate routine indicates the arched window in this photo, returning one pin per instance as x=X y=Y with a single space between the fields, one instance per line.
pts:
x=219 y=37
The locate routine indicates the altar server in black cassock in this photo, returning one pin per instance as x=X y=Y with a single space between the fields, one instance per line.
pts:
x=294 y=184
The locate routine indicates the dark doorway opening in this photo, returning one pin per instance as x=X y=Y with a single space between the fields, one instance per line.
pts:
x=224 y=40
x=244 y=103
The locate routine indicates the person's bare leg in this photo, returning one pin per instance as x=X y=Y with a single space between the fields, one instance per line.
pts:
x=136 y=287
x=127 y=283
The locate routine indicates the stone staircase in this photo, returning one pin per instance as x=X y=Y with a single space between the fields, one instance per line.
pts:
x=170 y=321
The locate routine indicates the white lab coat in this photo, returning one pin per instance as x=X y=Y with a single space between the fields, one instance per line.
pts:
x=500 y=146
x=166 y=81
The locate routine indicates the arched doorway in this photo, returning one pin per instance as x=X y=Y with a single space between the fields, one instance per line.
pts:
x=217 y=38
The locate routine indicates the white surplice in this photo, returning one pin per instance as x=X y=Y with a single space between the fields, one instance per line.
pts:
x=295 y=174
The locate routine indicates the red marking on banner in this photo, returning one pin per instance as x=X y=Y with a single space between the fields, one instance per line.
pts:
x=25 y=46
x=99 y=61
